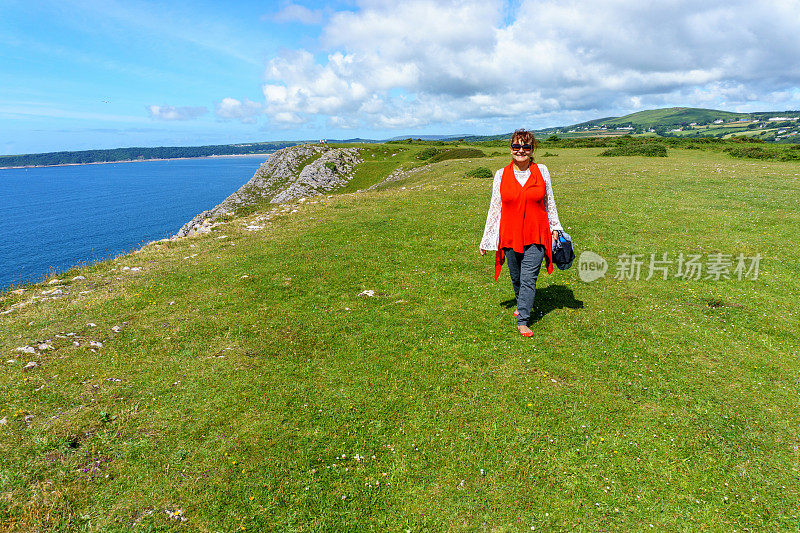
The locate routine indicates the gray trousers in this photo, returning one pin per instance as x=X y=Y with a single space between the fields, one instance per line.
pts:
x=524 y=269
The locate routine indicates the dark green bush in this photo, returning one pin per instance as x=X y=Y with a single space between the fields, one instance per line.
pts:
x=647 y=150
x=495 y=143
x=749 y=152
x=427 y=153
x=480 y=172
x=456 y=153
x=745 y=139
x=586 y=142
x=757 y=152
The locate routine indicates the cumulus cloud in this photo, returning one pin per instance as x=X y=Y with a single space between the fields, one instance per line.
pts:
x=421 y=62
x=297 y=13
x=245 y=111
x=168 y=112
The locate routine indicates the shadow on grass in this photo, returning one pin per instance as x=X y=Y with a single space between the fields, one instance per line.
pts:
x=548 y=299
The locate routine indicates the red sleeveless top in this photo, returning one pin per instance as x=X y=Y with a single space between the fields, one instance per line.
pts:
x=523 y=217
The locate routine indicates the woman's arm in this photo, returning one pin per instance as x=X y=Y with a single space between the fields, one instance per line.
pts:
x=550 y=201
x=491 y=233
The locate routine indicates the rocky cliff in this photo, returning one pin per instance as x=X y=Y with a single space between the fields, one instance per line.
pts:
x=291 y=173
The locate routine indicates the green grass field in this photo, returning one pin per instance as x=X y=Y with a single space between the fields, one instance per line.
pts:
x=251 y=387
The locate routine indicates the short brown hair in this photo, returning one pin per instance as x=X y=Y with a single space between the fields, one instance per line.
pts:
x=524 y=137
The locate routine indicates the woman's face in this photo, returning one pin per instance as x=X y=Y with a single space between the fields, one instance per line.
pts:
x=520 y=155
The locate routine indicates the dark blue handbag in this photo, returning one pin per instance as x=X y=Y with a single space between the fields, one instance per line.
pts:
x=563 y=254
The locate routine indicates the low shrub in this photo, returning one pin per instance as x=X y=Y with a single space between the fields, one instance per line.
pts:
x=756 y=152
x=456 y=153
x=749 y=152
x=647 y=150
x=495 y=143
x=745 y=139
x=707 y=140
x=586 y=142
x=480 y=173
x=427 y=153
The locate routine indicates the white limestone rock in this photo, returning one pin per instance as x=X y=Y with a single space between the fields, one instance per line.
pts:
x=284 y=177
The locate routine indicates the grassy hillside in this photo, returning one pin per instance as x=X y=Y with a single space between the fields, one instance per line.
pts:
x=675 y=116
x=246 y=381
x=677 y=122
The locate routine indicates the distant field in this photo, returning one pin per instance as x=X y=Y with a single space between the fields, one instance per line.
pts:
x=249 y=383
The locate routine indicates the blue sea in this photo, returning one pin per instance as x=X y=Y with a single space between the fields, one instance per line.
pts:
x=54 y=218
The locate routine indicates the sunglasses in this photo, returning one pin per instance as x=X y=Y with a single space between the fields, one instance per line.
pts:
x=526 y=147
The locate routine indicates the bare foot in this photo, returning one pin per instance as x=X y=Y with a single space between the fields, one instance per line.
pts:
x=525 y=331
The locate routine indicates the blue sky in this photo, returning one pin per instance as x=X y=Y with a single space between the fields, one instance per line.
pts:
x=100 y=74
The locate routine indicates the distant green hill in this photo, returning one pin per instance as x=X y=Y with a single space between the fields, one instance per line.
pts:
x=675 y=116
x=683 y=122
x=661 y=118
x=669 y=117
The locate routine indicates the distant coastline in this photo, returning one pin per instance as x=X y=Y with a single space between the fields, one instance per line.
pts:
x=138 y=160
x=133 y=154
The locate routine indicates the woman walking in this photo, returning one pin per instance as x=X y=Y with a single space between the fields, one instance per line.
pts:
x=522 y=223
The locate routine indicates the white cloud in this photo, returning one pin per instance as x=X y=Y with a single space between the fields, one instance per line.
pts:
x=286 y=118
x=422 y=62
x=246 y=112
x=297 y=13
x=168 y=112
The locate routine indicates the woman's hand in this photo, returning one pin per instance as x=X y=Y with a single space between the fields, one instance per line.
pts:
x=555 y=234
x=482 y=251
